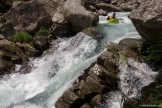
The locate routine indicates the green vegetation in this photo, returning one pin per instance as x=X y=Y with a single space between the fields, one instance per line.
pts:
x=43 y=32
x=154 y=52
x=1 y=8
x=113 y=20
x=22 y=37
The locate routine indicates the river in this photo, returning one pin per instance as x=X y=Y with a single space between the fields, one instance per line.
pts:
x=55 y=71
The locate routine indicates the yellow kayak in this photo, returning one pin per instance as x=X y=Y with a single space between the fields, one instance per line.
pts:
x=113 y=20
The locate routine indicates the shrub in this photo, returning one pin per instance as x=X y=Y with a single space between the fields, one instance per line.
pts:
x=22 y=37
x=154 y=52
x=1 y=8
x=43 y=32
x=112 y=20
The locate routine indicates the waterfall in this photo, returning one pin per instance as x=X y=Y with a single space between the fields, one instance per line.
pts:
x=59 y=67
x=133 y=76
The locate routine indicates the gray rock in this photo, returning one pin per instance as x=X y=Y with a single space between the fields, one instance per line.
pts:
x=147 y=20
x=29 y=50
x=78 y=17
x=1 y=37
x=102 y=12
x=31 y=15
x=7 y=30
x=41 y=42
x=108 y=7
x=60 y=26
x=10 y=55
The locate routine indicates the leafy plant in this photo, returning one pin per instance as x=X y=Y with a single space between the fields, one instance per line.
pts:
x=1 y=8
x=113 y=20
x=154 y=52
x=43 y=32
x=22 y=37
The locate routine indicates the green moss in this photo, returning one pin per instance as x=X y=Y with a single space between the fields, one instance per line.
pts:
x=43 y=32
x=22 y=37
x=154 y=52
x=113 y=20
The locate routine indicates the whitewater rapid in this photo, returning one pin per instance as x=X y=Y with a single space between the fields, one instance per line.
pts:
x=56 y=70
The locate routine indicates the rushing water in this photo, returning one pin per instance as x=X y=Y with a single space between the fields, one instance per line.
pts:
x=54 y=72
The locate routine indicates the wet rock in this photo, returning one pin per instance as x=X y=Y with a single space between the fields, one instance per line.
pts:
x=94 y=32
x=78 y=17
x=5 y=65
x=41 y=42
x=9 y=56
x=147 y=20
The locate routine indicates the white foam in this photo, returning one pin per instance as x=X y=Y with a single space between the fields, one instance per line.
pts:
x=133 y=76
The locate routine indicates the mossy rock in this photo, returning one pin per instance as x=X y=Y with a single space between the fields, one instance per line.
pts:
x=113 y=20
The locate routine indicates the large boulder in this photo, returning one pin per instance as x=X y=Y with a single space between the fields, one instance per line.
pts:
x=10 y=55
x=30 y=16
x=78 y=17
x=147 y=20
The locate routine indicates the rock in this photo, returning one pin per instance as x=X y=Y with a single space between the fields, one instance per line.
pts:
x=133 y=44
x=58 y=18
x=147 y=20
x=4 y=6
x=78 y=17
x=5 y=55
x=97 y=100
x=131 y=48
x=94 y=32
x=128 y=6
x=60 y=26
x=10 y=54
x=91 y=8
x=7 y=30
x=106 y=1
x=102 y=12
x=1 y=37
x=41 y=42
x=109 y=60
x=85 y=106
x=30 y=16
x=69 y=96
x=62 y=104
x=5 y=65
x=108 y=7
x=29 y=50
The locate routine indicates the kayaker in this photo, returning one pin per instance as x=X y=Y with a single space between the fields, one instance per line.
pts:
x=113 y=16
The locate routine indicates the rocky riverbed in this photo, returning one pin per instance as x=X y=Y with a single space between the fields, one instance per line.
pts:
x=78 y=18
